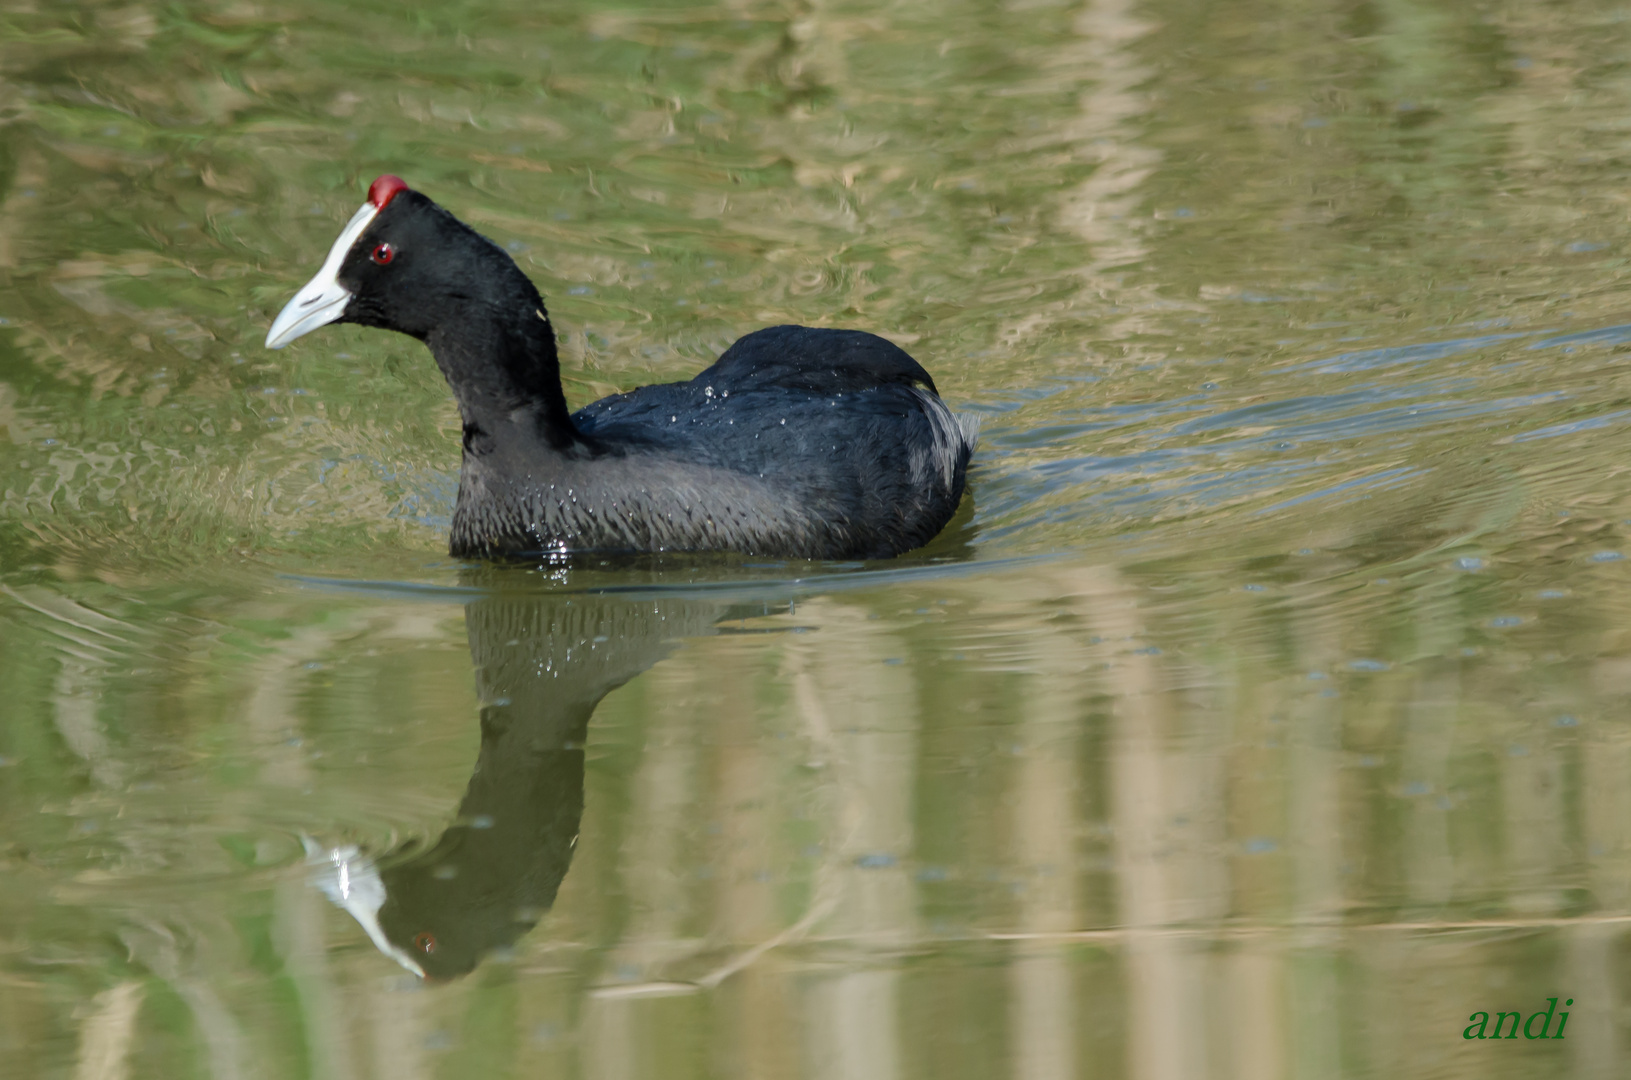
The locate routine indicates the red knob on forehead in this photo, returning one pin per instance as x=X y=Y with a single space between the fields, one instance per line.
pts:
x=386 y=188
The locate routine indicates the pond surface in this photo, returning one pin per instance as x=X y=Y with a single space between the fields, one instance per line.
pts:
x=1265 y=713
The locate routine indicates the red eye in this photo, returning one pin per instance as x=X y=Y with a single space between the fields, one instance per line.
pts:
x=382 y=255
x=424 y=941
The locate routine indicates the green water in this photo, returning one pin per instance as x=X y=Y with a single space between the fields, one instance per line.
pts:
x=1264 y=715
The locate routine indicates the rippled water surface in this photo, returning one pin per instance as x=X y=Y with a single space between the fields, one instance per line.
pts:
x=1263 y=715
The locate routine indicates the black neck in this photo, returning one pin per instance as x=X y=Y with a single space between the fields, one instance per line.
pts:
x=501 y=362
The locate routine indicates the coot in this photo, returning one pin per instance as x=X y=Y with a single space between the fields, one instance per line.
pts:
x=797 y=442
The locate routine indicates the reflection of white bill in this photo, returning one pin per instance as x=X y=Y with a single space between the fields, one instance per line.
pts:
x=348 y=878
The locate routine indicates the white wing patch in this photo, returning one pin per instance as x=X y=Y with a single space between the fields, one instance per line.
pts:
x=950 y=436
x=969 y=423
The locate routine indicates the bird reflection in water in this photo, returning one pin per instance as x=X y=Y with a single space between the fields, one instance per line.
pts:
x=543 y=662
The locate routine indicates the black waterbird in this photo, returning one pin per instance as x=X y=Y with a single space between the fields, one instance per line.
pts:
x=796 y=442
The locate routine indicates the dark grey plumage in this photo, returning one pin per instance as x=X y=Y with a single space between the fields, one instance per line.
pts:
x=797 y=442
